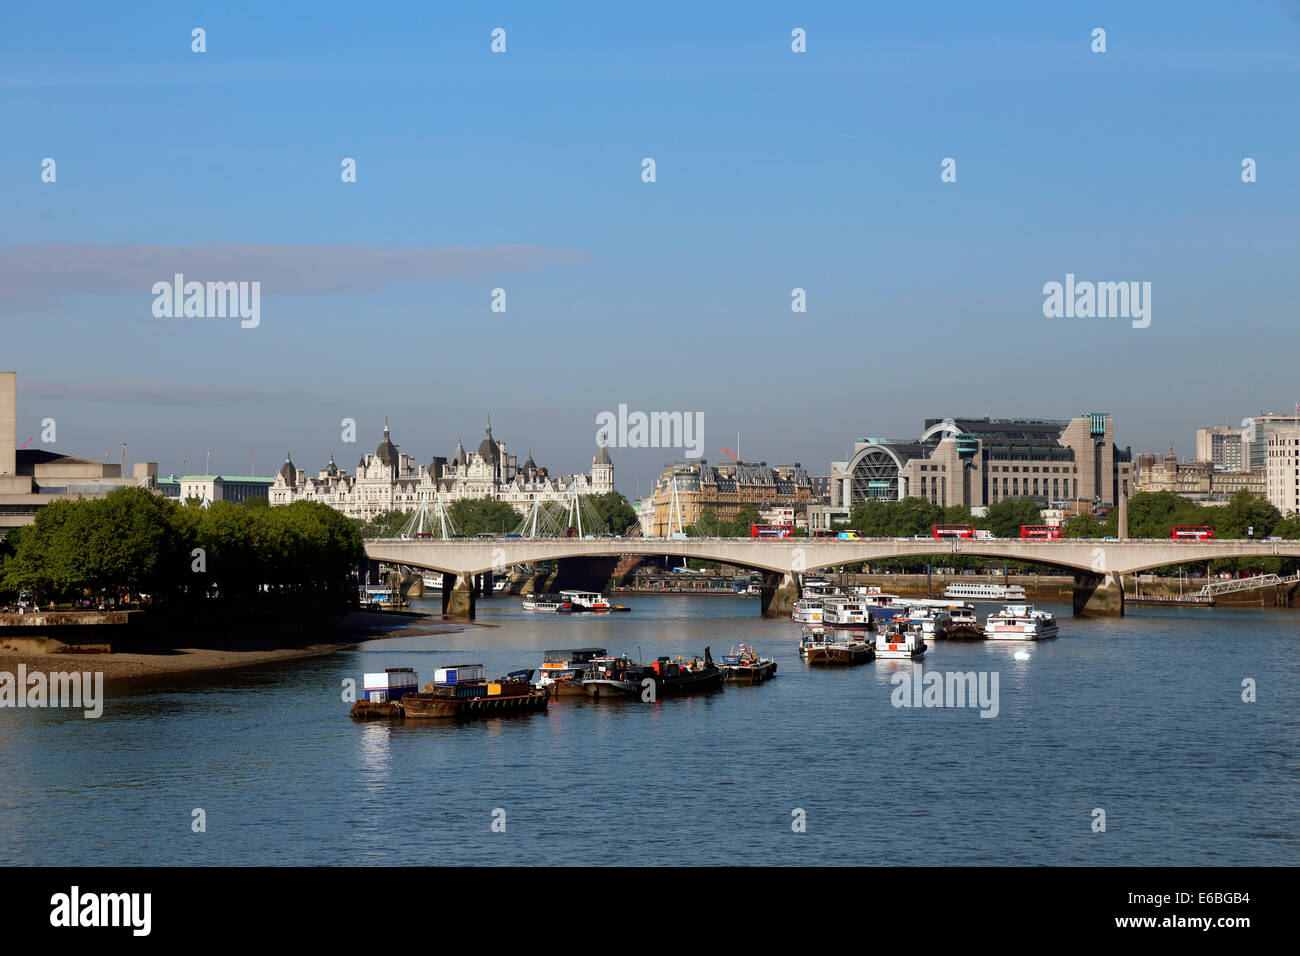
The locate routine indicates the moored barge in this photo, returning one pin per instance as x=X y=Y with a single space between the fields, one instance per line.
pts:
x=837 y=650
x=459 y=691
x=744 y=666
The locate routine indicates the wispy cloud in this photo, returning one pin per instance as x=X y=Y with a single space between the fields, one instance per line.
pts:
x=35 y=273
x=135 y=392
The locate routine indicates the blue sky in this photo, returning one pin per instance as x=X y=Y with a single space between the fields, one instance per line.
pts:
x=775 y=170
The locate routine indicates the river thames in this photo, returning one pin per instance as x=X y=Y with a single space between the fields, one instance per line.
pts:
x=1141 y=717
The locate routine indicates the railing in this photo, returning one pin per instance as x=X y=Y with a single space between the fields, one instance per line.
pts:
x=1247 y=584
x=854 y=541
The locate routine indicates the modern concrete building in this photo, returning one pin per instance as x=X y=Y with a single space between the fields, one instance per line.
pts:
x=390 y=480
x=1221 y=445
x=31 y=478
x=976 y=462
x=1257 y=429
x=1282 y=469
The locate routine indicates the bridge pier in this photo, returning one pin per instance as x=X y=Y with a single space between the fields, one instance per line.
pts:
x=458 y=596
x=1098 y=595
x=778 y=594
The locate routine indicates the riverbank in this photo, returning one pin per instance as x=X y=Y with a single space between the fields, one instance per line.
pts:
x=224 y=653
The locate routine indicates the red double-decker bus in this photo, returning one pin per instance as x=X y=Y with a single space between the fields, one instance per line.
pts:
x=1191 y=533
x=1042 y=531
x=953 y=530
x=771 y=530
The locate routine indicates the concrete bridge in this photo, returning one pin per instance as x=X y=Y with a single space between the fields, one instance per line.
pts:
x=1098 y=565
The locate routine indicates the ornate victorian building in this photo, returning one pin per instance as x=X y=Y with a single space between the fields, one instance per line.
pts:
x=388 y=480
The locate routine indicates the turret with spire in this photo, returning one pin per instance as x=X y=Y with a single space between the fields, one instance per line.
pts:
x=602 y=468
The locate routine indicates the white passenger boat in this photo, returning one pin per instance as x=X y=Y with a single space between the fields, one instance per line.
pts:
x=844 y=611
x=1020 y=622
x=547 y=602
x=901 y=639
x=586 y=600
x=985 y=592
x=820 y=589
x=433 y=582
x=807 y=612
x=881 y=604
x=934 y=621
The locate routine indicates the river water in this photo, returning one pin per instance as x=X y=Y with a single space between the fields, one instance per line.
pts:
x=1140 y=717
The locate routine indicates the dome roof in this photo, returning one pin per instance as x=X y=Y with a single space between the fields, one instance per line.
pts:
x=487 y=448
x=387 y=451
x=288 y=471
x=331 y=469
x=530 y=465
x=459 y=457
x=602 y=454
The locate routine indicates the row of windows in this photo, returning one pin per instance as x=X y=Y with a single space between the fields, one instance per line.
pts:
x=1021 y=488
x=1015 y=469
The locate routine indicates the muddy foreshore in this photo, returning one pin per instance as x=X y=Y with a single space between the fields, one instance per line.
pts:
x=193 y=656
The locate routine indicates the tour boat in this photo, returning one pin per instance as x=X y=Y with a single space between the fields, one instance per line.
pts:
x=586 y=600
x=433 y=582
x=743 y=665
x=563 y=670
x=845 y=612
x=901 y=639
x=845 y=648
x=807 y=612
x=1020 y=622
x=547 y=602
x=820 y=589
x=880 y=604
x=985 y=592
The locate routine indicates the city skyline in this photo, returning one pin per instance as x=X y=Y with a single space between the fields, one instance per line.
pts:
x=647 y=462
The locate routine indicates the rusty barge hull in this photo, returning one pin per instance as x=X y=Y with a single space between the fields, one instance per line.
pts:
x=427 y=706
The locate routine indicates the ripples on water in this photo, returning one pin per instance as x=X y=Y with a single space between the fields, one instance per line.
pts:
x=1140 y=716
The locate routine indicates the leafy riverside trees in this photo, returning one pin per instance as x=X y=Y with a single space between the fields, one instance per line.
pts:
x=1153 y=514
x=135 y=542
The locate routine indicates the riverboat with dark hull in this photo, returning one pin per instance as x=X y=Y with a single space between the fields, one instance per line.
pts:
x=608 y=677
x=681 y=675
x=838 y=649
x=621 y=677
x=564 y=670
x=744 y=666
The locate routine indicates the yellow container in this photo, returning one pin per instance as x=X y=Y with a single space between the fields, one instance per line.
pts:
x=494 y=690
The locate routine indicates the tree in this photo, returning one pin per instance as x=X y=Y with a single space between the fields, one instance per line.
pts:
x=614 y=511
x=386 y=524
x=1005 y=517
x=483 y=516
